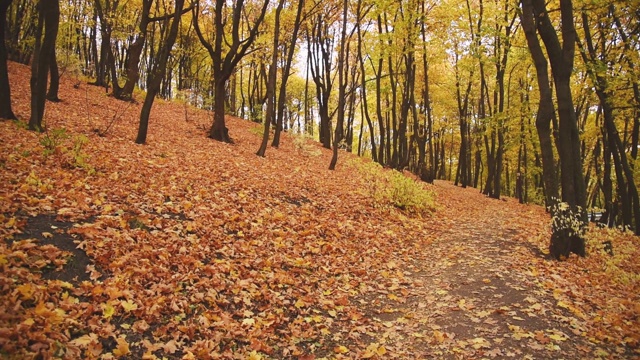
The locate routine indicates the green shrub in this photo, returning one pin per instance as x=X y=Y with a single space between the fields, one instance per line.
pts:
x=386 y=187
x=53 y=143
x=257 y=130
x=302 y=143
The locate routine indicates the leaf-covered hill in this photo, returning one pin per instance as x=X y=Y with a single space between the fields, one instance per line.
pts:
x=191 y=248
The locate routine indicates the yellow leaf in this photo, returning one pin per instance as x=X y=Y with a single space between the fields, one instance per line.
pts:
x=123 y=347
x=254 y=355
x=392 y=297
x=340 y=349
x=11 y=223
x=107 y=311
x=128 y=305
x=249 y=321
x=333 y=313
x=85 y=340
x=381 y=350
x=438 y=336
x=28 y=322
x=26 y=290
x=300 y=304
x=557 y=337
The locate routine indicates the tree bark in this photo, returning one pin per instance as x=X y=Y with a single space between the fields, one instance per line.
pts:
x=5 y=91
x=48 y=19
x=565 y=240
x=286 y=72
x=54 y=85
x=337 y=138
x=271 y=83
x=157 y=73
x=546 y=111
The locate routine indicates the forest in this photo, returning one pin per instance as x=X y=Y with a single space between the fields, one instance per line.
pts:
x=263 y=179
x=532 y=100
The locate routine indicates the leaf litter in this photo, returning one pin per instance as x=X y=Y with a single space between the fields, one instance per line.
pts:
x=200 y=249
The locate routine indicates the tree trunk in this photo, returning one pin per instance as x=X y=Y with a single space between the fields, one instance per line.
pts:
x=286 y=72
x=271 y=83
x=565 y=239
x=54 y=85
x=49 y=14
x=157 y=73
x=546 y=111
x=365 y=107
x=5 y=95
x=339 y=133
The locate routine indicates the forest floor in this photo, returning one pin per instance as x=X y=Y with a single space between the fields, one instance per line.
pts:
x=190 y=248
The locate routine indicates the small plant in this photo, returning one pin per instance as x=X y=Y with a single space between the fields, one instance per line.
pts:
x=21 y=124
x=568 y=231
x=300 y=141
x=78 y=157
x=392 y=188
x=257 y=130
x=52 y=141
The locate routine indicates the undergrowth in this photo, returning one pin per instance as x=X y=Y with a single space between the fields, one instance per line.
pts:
x=55 y=143
x=386 y=187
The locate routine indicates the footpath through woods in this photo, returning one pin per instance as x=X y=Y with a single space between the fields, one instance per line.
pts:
x=482 y=290
x=188 y=248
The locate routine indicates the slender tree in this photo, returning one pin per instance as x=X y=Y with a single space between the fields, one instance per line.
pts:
x=286 y=73
x=271 y=82
x=567 y=236
x=339 y=131
x=226 y=53
x=5 y=90
x=546 y=111
x=157 y=73
x=48 y=19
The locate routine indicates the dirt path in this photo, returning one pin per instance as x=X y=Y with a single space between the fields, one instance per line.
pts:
x=476 y=293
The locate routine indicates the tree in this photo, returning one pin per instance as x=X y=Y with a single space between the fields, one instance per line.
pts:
x=567 y=235
x=234 y=48
x=157 y=73
x=48 y=19
x=341 y=87
x=107 y=63
x=627 y=191
x=5 y=95
x=271 y=83
x=546 y=112
x=135 y=49
x=286 y=73
x=320 y=39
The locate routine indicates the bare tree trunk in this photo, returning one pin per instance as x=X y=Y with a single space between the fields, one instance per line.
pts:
x=341 y=88
x=5 y=93
x=271 y=83
x=49 y=14
x=546 y=111
x=157 y=73
x=54 y=85
x=565 y=239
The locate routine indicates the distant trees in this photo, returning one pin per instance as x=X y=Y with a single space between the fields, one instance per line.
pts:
x=484 y=93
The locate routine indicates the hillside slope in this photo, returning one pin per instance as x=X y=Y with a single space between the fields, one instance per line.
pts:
x=190 y=248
